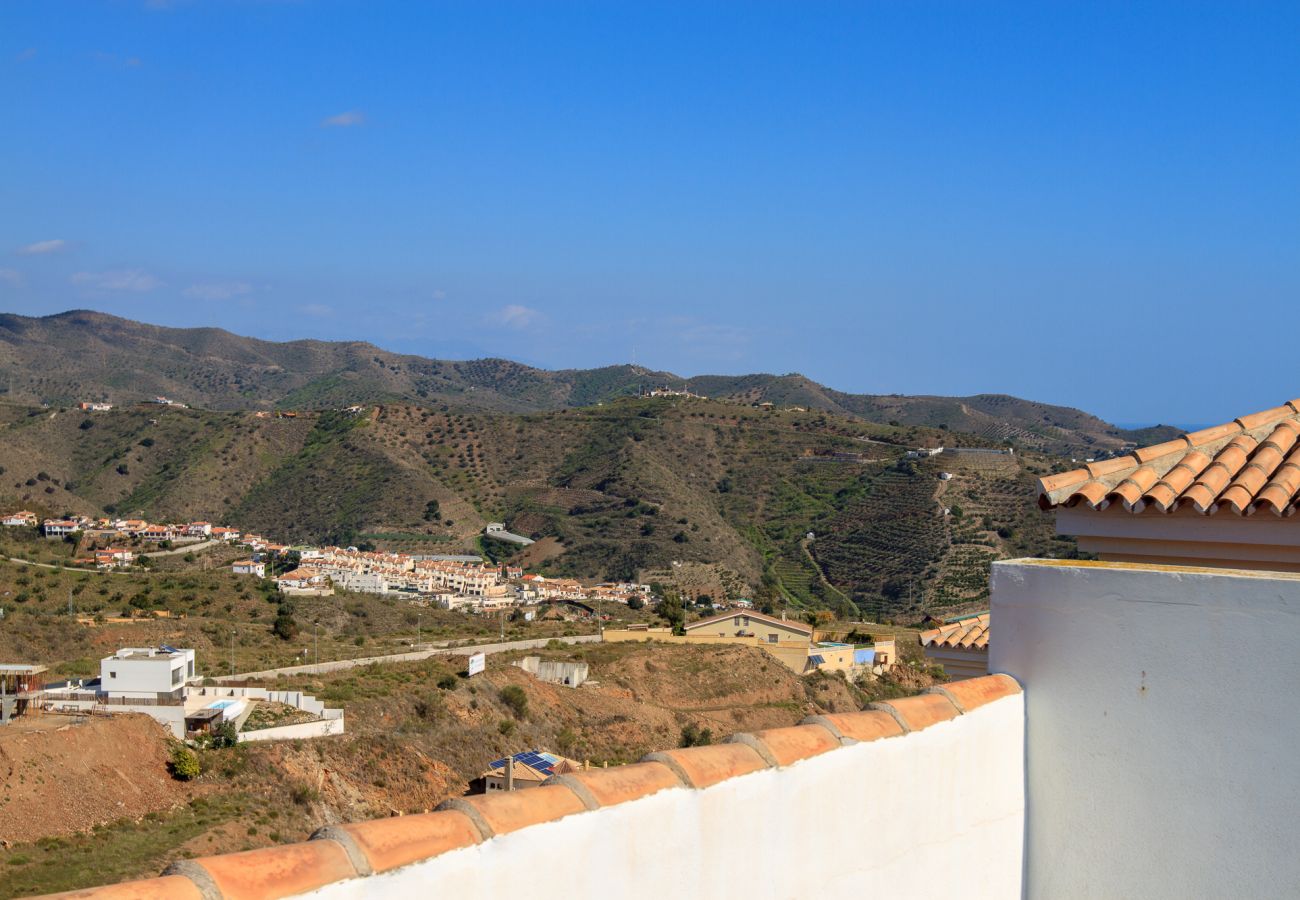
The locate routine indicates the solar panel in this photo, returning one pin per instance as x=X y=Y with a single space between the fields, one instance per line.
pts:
x=542 y=762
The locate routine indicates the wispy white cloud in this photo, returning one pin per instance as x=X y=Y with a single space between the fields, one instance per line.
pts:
x=318 y=310
x=219 y=290
x=132 y=280
x=42 y=247
x=439 y=295
x=11 y=277
x=112 y=59
x=350 y=119
x=516 y=317
x=24 y=56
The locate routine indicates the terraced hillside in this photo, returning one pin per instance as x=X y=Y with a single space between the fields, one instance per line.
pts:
x=725 y=491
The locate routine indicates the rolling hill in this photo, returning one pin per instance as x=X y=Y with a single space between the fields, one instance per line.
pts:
x=716 y=496
x=81 y=355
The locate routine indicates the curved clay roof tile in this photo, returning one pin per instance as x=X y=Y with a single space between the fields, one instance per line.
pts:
x=1255 y=420
x=1178 y=479
x=1279 y=494
x=1093 y=493
x=1130 y=490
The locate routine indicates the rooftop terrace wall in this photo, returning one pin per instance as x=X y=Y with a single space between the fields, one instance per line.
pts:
x=921 y=797
x=1161 y=726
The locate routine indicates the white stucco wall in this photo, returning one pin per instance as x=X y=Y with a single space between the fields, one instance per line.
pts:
x=332 y=724
x=1161 y=727
x=935 y=814
x=145 y=677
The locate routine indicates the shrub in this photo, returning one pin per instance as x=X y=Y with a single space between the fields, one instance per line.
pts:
x=184 y=762
x=566 y=740
x=284 y=627
x=447 y=682
x=513 y=696
x=506 y=727
x=695 y=736
x=224 y=735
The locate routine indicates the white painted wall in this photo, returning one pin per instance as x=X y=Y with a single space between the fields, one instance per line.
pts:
x=935 y=814
x=333 y=723
x=1162 y=727
x=146 y=677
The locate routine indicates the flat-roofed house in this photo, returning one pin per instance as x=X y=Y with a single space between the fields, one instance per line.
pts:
x=146 y=673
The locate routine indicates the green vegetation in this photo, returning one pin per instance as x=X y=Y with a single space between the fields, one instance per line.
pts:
x=115 y=852
x=695 y=736
x=513 y=696
x=634 y=489
x=184 y=762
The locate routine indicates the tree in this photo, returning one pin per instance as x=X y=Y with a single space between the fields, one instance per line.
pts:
x=284 y=627
x=673 y=611
x=513 y=696
x=635 y=602
x=184 y=762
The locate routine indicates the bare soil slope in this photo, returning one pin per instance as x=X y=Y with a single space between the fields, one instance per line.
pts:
x=63 y=778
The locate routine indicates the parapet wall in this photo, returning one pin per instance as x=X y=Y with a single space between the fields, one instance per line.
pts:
x=1162 y=726
x=920 y=797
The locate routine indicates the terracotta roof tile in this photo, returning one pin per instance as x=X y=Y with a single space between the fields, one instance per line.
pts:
x=1239 y=467
x=621 y=783
x=789 y=745
x=703 y=766
x=972 y=693
x=921 y=711
x=869 y=725
x=969 y=632
x=400 y=840
x=511 y=810
x=275 y=872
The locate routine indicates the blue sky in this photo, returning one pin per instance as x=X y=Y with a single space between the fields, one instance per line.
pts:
x=1091 y=204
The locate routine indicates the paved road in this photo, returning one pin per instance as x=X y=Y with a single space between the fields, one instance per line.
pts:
x=341 y=664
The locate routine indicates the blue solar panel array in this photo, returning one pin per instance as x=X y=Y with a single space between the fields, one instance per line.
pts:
x=542 y=762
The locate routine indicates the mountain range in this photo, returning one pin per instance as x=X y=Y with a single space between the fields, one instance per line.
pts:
x=63 y=359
